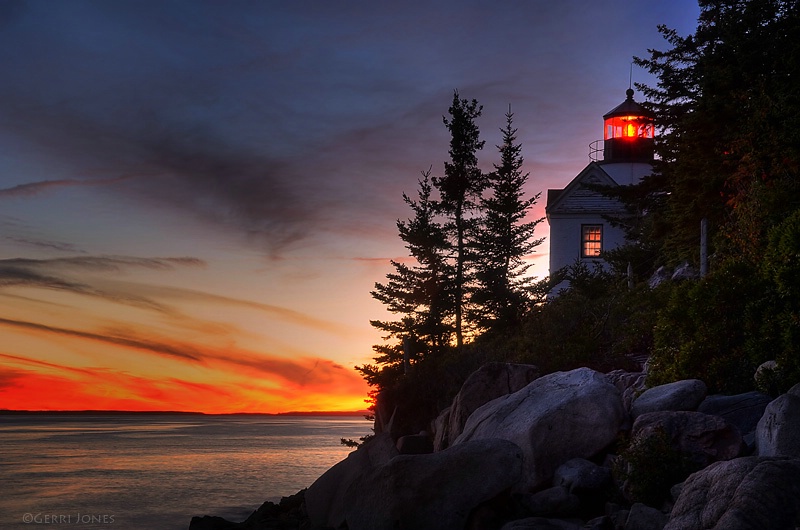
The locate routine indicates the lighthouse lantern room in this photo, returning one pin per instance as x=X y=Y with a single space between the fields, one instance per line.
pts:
x=628 y=133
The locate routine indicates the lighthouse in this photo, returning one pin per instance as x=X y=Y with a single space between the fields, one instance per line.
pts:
x=578 y=213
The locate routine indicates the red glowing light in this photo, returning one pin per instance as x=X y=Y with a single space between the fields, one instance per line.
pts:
x=628 y=127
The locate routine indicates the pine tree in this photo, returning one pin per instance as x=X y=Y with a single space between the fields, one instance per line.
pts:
x=460 y=191
x=420 y=294
x=727 y=104
x=504 y=239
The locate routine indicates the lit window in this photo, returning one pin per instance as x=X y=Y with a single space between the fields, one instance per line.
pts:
x=591 y=240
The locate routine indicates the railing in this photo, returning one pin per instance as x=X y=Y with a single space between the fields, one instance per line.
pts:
x=596 y=151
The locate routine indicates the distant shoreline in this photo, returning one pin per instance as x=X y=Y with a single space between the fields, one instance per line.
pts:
x=6 y=412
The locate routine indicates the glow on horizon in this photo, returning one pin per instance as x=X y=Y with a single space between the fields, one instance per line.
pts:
x=94 y=341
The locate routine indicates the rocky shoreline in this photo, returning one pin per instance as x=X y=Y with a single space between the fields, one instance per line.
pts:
x=565 y=451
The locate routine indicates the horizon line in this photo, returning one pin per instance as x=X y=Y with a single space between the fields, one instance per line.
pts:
x=184 y=412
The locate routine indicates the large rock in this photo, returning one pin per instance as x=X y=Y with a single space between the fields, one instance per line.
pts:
x=325 y=497
x=701 y=437
x=555 y=418
x=415 y=444
x=778 y=431
x=629 y=385
x=586 y=480
x=680 y=395
x=441 y=430
x=579 y=474
x=433 y=491
x=742 y=410
x=489 y=382
x=643 y=517
x=556 y=501
x=269 y=516
x=749 y=493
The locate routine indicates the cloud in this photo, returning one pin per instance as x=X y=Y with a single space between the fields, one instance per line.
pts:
x=8 y=378
x=102 y=263
x=30 y=189
x=299 y=372
x=285 y=314
x=18 y=359
x=75 y=274
x=164 y=349
x=47 y=245
x=54 y=274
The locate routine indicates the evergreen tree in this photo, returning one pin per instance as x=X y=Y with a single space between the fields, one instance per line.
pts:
x=727 y=105
x=504 y=293
x=460 y=191
x=419 y=293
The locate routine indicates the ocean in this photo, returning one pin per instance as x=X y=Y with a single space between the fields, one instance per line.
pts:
x=156 y=471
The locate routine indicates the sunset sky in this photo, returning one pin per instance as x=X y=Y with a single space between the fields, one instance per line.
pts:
x=196 y=197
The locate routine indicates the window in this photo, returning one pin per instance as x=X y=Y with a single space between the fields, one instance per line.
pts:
x=591 y=240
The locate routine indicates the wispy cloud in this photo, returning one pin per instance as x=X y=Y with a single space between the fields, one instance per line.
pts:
x=59 y=246
x=78 y=275
x=299 y=372
x=35 y=188
x=284 y=314
x=50 y=274
x=184 y=352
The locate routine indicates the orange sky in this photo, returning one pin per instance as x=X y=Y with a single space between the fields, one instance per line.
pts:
x=92 y=333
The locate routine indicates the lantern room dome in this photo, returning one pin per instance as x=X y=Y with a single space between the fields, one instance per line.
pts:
x=628 y=108
x=628 y=131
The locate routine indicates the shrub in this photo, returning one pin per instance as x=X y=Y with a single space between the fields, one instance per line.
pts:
x=648 y=468
x=713 y=330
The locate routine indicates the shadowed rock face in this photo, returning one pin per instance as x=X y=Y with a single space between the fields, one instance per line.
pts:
x=680 y=395
x=741 y=410
x=752 y=493
x=489 y=382
x=555 y=418
x=325 y=498
x=778 y=431
x=432 y=491
x=701 y=437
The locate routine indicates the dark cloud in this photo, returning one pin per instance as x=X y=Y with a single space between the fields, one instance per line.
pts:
x=39 y=363
x=59 y=246
x=280 y=121
x=54 y=274
x=102 y=263
x=185 y=353
x=34 y=188
x=73 y=274
x=9 y=378
x=301 y=372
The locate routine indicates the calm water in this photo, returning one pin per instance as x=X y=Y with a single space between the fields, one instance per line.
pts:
x=131 y=472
